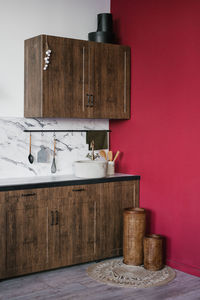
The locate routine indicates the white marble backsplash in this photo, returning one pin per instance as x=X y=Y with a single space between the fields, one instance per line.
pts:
x=14 y=145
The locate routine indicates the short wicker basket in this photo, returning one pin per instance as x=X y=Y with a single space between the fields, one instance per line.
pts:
x=133 y=234
x=153 y=252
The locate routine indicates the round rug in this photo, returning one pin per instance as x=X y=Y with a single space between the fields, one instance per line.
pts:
x=115 y=272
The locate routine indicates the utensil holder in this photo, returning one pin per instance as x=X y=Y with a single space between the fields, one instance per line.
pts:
x=111 y=168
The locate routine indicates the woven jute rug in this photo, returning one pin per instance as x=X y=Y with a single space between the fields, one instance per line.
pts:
x=115 y=272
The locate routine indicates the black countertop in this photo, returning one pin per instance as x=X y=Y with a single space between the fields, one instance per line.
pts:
x=54 y=180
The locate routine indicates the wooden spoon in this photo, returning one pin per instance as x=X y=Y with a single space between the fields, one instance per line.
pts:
x=110 y=155
x=30 y=157
x=116 y=155
x=103 y=154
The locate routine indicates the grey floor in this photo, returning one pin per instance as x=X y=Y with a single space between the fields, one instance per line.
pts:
x=73 y=283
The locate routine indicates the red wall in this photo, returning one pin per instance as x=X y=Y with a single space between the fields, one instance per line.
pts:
x=161 y=142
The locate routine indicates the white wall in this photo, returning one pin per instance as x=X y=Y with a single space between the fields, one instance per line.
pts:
x=21 y=19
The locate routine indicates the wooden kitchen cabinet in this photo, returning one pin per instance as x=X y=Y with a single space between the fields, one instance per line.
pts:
x=2 y=236
x=83 y=79
x=115 y=197
x=46 y=228
x=59 y=91
x=26 y=232
x=110 y=81
x=72 y=230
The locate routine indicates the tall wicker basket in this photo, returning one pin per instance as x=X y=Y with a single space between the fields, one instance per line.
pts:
x=153 y=252
x=133 y=234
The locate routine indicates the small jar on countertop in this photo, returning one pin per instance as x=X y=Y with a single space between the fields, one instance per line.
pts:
x=111 y=168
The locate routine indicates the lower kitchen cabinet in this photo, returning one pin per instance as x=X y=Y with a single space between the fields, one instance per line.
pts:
x=115 y=196
x=53 y=227
x=2 y=236
x=72 y=229
x=26 y=232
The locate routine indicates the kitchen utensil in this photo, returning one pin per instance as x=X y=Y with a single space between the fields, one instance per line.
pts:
x=110 y=155
x=53 y=166
x=30 y=157
x=43 y=155
x=103 y=154
x=116 y=155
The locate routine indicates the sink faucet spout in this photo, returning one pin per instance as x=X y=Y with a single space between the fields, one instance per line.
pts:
x=92 y=156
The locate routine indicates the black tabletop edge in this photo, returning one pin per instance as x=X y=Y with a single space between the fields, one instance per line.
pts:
x=49 y=184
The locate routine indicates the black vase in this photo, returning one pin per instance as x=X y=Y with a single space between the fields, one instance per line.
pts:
x=104 y=22
x=104 y=33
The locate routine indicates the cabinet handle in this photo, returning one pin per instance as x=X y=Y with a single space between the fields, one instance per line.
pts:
x=28 y=195
x=78 y=190
x=52 y=218
x=88 y=104
x=92 y=100
x=57 y=217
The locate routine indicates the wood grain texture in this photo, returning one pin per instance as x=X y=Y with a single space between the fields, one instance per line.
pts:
x=33 y=88
x=133 y=234
x=65 y=80
x=55 y=227
x=110 y=81
x=114 y=198
x=2 y=235
x=26 y=232
x=78 y=72
x=72 y=237
x=153 y=252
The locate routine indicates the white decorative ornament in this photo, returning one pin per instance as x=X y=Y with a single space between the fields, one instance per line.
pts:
x=46 y=59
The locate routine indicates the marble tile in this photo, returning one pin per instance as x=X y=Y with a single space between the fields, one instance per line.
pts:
x=14 y=145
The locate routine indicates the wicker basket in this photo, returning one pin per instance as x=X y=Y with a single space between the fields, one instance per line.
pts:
x=153 y=252
x=133 y=234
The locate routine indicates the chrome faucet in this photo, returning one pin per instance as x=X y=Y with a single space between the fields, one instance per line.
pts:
x=92 y=156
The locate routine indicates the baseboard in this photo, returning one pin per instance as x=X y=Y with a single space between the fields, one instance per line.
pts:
x=183 y=267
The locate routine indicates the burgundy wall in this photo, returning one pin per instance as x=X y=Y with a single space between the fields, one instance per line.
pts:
x=161 y=142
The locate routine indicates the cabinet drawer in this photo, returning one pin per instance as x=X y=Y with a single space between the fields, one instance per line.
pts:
x=68 y=194
x=26 y=198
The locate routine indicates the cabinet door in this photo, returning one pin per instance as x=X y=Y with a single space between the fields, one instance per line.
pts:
x=72 y=236
x=26 y=232
x=59 y=246
x=110 y=81
x=114 y=197
x=66 y=79
x=2 y=235
x=83 y=222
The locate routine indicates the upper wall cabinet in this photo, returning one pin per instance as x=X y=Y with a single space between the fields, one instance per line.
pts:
x=82 y=80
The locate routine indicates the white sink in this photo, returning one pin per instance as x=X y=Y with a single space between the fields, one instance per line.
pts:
x=90 y=168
